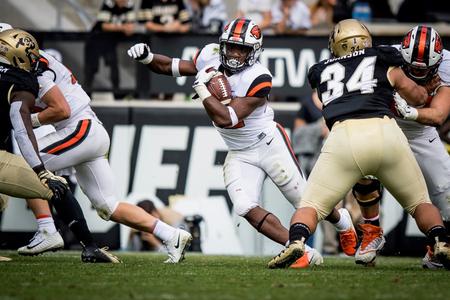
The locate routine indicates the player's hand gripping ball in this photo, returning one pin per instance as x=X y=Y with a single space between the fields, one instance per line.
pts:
x=220 y=88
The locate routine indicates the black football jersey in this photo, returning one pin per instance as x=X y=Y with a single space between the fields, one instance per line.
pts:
x=12 y=79
x=163 y=11
x=355 y=86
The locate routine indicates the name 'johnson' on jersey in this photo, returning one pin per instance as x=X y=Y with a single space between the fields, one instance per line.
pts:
x=356 y=85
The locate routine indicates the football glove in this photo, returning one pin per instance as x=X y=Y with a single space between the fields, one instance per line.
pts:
x=57 y=184
x=141 y=52
x=404 y=110
x=203 y=77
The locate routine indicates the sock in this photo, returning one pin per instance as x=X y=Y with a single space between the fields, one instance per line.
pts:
x=46 y=223
x=298 y=231
x=343 y=224
x=439 y=232
x=164 y=231
x=71 y=214
x=373 y=221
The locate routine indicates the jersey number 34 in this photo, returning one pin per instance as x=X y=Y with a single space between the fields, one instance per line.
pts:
x=361 y=79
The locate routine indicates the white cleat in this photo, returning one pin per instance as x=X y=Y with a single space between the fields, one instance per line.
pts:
x=372 y=242
x=430 y=261
x=177 y=246
x=42 y=242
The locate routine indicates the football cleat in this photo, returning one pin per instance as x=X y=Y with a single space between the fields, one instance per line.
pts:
x=348 y=238
x=41 y=242
x=430 y=261
x=311 y=258
x=176 y=247
x=372 y=242
x=93 y=254
x=288 y=256
x=442 y=253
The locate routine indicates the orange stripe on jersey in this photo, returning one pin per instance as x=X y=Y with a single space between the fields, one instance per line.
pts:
x=259 y=87
x=422 y=43
x=75 y=139
x=238 y=29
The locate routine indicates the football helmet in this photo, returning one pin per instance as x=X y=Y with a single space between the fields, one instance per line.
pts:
x=19 y=48
x=348 y=36
x=245 y=33
x=421 y=50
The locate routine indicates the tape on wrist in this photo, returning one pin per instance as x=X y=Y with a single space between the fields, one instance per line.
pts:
x=202 y=92
x=176 y=67
x=148 y=59
x=233 y=116
x=35 y=120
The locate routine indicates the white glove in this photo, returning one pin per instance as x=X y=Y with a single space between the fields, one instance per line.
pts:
x=404 y=110
x=203 y=77
x=141 y=52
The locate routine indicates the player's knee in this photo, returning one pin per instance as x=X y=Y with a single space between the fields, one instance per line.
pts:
x=105 y=210
x=281 y=175
x=367 y=192
x=243 y=207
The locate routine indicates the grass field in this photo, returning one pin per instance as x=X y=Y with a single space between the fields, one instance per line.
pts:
x=143 y=276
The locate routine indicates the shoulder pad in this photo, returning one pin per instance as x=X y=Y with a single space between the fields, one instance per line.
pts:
x=389 y=55
x=205 y=54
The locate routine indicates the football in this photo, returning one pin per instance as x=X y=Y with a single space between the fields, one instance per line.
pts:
x=220 y=88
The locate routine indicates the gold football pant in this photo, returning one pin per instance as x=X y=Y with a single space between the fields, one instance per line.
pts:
x=17 y=179
x=360 y=147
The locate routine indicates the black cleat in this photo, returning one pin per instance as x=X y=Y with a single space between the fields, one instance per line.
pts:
x=98 y=255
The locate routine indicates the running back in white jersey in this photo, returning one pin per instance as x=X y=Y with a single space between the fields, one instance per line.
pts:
x=254 y=81
x=413 y=128
x=76 y=97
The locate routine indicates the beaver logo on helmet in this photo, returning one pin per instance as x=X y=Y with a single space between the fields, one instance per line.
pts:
x=256 y=32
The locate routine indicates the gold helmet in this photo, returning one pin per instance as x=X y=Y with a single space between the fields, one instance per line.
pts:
x=19 y=48
x=348 y=36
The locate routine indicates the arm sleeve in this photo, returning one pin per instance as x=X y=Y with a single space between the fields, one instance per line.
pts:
x=260 y=87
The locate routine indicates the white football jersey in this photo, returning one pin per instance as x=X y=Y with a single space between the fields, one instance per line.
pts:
x=76 y=97
x=412 y=128
x=253 y=81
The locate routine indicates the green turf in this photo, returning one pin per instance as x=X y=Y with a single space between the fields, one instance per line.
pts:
x=143 y=276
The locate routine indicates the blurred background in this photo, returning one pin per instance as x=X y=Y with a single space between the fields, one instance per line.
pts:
x=163 y=147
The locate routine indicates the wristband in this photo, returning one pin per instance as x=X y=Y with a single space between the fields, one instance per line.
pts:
x=202 y=91
x=35 y=120
x=176 y=67
x=233 y=116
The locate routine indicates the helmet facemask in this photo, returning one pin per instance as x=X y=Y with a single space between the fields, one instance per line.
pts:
x=232 y=62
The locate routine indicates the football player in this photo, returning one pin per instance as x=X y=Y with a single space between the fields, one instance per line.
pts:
x=258 y=147
x=356 y=87
x=423 y=57
x=81 y=142
x=19 y=55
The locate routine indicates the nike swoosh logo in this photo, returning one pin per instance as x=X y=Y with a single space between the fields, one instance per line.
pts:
x=268 y=143
x=178 y=242
x=28 y=247
x=432 y=140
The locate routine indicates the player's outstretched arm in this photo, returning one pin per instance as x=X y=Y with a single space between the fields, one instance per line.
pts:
x=162 y=64
x=413 y=94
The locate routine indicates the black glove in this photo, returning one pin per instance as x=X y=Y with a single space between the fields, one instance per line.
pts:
x=57 y=184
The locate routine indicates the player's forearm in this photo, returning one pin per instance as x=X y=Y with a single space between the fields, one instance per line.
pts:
x=217 y=112
x=430 y=116
x=23 y=132
x=52 y=115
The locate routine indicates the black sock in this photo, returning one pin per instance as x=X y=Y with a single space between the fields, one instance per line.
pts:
x=298 y=231
x=447 y=227
x=439 y=232
x=71 y=214
x=373 y=222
